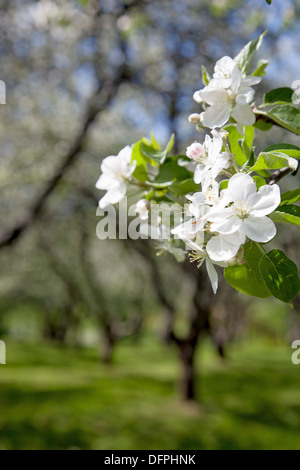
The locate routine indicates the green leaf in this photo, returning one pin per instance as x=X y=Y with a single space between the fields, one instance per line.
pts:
x=234 y=138
x=170 y=144
x=154 y=142
x=171 y=172
x=224 y=184
x=155 y=154
x=246 y=277
x=259 y=181
x=249 y=136
x=151 y=153
x=287 y=149
x=246 y=56
x=287 y=214
x=251 y=160
x=205 y=76
x=280 y=275
x=260 y=68
x=286 y=116
x=140 y=172
x=263 y=125
x=269 y=2
x=274 y=161
x=290 y=197
x=245 y=149
x=279 y=96
x=184 y=187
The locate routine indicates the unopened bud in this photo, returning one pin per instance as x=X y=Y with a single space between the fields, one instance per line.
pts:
x=195 y=151
x=194 y=118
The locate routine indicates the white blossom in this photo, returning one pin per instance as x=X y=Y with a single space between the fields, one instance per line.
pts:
x=116 y=171
x=229 y=93
x=142 y=208
x=201 y=256
x=211 y=160
x=242 y=213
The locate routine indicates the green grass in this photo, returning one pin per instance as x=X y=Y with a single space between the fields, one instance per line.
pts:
x=57 y=398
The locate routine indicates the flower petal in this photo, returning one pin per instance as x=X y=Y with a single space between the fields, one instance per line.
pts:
x=106 y=181
x=113 y=196
x=197 y=96
x=213 y=275
x=225 y=247
x=224 y=67
x=188 y=230
x=265 y=201
x=213 y=96
x=200 y=173
x=227 y=226
x=236 y=78
x=109 y=164
x=221 y=162
x=250 y=81
x=217 y=115
x=243 y=114
x=219 y=214
x=220 y=83
x=245 y=95
x=215 y=146
x=259 y=229
x=241 y=187
x=125 y=154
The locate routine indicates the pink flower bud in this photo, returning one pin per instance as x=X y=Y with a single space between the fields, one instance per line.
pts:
x=195 y=151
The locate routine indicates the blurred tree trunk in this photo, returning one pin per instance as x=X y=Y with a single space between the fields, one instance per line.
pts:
x=197 y=321
x=108 y=346
x=188 y=379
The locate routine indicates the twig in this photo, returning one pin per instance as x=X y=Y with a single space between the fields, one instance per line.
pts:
x=278 y=175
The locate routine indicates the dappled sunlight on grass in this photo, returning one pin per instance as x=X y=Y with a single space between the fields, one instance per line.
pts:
x=59 y=398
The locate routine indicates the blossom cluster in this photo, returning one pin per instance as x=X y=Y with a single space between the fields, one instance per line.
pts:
x=224 y=220
x=230 y=203
x=228 y=93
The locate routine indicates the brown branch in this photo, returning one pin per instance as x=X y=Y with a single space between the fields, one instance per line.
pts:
x=278 y=175
x=144 y=248
x=99 y=101
x=103 y=96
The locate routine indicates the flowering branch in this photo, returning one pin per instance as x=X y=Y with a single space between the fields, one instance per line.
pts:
x=233 y=197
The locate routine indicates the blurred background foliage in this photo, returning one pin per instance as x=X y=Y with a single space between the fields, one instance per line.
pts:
x=84 y=78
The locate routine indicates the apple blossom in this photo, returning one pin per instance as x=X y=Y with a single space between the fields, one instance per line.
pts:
x=242 y=213
x=116 y=171
x=200 y=255
x=212 y=161
x=228 y=93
